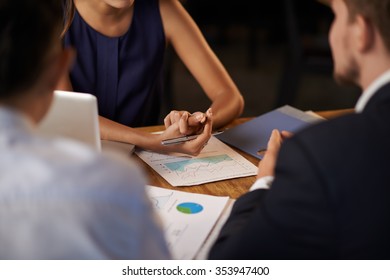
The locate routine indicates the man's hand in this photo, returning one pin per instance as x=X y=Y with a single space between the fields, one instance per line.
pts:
x=267 y=164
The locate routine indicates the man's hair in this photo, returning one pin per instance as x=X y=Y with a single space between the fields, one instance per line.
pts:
x=376 y=11
x=28 y=29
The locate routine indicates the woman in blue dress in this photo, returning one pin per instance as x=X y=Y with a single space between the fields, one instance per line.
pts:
x=120 y=47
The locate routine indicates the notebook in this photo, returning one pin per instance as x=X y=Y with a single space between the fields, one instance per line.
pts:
x=252 y=136
x=73 y=115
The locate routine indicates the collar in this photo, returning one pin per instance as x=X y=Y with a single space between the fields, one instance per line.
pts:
x=11 y=119
x=371 y=90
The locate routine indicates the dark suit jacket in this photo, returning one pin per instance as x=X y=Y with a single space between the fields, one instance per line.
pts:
x=330 y=198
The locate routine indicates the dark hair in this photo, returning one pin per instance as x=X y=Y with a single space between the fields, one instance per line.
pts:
x=69 y=10
x=28 y=29
x=376 y=11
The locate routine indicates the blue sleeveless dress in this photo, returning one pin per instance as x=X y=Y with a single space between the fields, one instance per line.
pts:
x=124 y=73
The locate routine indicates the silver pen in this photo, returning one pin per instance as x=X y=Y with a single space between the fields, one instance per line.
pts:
x=182 y=139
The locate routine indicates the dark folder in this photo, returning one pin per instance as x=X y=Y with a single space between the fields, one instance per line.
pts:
x=252 y=136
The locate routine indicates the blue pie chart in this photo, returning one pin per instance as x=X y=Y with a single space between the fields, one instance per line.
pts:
x=189 y=208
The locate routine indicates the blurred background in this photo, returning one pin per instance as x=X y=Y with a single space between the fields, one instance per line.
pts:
x=277 y=54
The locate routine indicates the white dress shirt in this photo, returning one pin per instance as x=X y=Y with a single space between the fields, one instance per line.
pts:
x=371 y=90
x=61 y=200
x=266 y=182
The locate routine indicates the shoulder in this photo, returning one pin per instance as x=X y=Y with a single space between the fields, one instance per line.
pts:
x=171 y=10
x=78 y=164
x=324 y=144
x=176 y=20
x=168 y=3
x=332 y=131
x=104 y=209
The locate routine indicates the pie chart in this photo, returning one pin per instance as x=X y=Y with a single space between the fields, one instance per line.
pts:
x=189 y=208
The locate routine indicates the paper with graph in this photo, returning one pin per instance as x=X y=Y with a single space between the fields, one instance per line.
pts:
x=187 y=218
x=216 y=162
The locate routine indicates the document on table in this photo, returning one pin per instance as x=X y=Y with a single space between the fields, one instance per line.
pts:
x=187 y=218
x=217 y=161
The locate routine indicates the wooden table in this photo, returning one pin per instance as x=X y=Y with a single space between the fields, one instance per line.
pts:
x=232 y=187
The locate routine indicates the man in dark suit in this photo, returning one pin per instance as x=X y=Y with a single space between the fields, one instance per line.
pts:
x=329 y=194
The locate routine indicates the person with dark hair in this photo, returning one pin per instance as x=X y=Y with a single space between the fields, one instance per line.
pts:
x=59 y=199
x=324 y=193
x=120 y=48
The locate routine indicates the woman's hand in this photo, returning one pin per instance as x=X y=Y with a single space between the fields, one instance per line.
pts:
x=184 y=124
x=188 y=123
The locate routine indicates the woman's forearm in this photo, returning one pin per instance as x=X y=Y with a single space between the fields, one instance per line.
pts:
x=110 y=130
x=226 y=108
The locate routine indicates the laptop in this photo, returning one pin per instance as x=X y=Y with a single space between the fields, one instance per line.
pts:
x=73 y=115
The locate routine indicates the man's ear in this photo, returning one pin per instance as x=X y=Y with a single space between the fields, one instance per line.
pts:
x=59 y=67
x=365 y=34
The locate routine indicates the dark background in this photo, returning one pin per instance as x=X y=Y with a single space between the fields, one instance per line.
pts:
x=276 y=54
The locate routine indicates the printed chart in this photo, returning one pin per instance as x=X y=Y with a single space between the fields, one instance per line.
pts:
x=216 y=162
x=187 y=218
x=189 y=208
